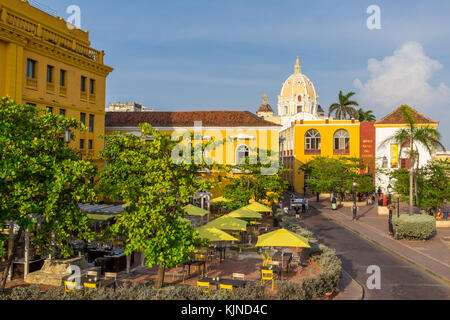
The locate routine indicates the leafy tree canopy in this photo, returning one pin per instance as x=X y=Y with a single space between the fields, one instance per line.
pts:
x=144 y=174
x=42 y=180
x=327 y=175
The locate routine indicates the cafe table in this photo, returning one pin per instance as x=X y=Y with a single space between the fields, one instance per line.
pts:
x=233 y=282
x=199 y=263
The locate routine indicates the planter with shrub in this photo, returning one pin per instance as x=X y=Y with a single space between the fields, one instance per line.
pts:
x=414 y=227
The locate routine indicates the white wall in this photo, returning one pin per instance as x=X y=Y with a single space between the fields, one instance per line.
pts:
x=382 y=180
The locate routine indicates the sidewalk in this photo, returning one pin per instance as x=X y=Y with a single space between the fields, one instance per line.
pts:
x=349 y=289
x=432 y=255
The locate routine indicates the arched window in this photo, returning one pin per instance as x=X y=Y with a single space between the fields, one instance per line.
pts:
x=341 y=142
x=312 y=142
x=242 y=152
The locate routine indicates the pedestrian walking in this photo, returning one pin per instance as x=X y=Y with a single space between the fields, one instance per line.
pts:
x=297 y=209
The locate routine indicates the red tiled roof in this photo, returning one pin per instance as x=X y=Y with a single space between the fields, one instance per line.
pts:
x=397 y=117
x=186 y=119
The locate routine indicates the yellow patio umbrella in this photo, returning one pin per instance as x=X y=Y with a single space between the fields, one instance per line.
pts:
x=220 y=199
x=195 y=211
x=245 y=214
x=228 y=223
x=258 y=207
x=282 y=238
x=214 y=234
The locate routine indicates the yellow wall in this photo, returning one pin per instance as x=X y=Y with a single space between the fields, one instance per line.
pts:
x=28 y=33
x=327 y=131
x=226 y=153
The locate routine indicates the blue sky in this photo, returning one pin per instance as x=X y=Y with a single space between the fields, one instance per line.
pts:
x=223 y=55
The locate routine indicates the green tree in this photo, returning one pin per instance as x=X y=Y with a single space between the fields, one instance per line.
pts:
x=433 y=184
x=42 y=180
x=328 y=175
x=343 y=108
x=426 y=136
x=252 y=182
x=366 y=116
x=146 y=174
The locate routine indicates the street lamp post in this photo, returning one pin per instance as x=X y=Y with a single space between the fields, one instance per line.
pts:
x=354 y=200
x=391 y=228
x=67 y=136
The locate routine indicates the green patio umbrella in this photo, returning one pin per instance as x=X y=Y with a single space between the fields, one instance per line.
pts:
x=228 y=223
x=244 y=213
x=195 y=211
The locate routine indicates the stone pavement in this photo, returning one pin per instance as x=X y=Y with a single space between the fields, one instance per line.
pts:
x=432 y=255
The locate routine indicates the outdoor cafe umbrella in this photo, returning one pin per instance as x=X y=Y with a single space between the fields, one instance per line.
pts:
x=282 y=238
x=244 y=213
x=220 y=199
x=214 y=234
x=228 y=223
x=195 y=211
x=258 y=207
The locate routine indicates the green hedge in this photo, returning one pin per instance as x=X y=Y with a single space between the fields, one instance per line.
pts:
x=137 y=291
x=416 y=226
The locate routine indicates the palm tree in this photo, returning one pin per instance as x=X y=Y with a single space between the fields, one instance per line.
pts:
x=426 y=136
x=344 y=108
x=366 y=115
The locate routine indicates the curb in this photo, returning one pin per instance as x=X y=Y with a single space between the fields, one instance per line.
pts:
x=388 y=249
x=353 y=282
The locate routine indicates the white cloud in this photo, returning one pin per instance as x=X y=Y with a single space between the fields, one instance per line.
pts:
x=403 y=78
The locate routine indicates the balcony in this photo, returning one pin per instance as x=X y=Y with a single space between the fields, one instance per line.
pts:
x=83 y=96
x=50 y=88
x=62 y=91
x=31 y=83
x=341 y=151
x=312 y=151
x=46 y=34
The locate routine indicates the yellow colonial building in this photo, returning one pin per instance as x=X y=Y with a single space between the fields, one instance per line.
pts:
x=232 y=135
x=48 y=63
x=304 y=140
x=306 y=132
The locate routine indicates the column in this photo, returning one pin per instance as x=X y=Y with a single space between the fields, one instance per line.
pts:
x=27 y=254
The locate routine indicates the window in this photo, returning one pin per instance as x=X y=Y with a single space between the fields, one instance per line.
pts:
x=62 y=112
x=50 y=74
x=83 y=83
x=62 y=78
x=285 y=110
x=90 y=144
x=81 y=143
x=91 y=123
x=83 y=118
x=341 y=142
x=299 y=109
x=50 y=109
x=242 y=152
x=312 y=142
x=91 y=86
x=31 y=68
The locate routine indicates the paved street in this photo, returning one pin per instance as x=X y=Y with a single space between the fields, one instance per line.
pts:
x=399 y=279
